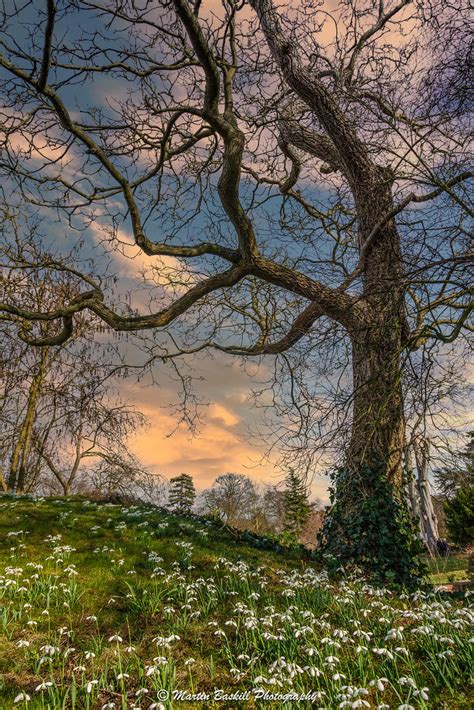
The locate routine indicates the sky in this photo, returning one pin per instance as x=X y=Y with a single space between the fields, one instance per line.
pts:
x=226 y=440
x=222 y=443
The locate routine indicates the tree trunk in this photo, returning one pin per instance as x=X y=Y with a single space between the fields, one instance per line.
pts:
x=428 y=519
x=19 y=461
x=412 y=488
x=378 y=428
x=378 y=431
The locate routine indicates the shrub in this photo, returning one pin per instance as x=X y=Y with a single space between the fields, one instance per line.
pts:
x=369 y=527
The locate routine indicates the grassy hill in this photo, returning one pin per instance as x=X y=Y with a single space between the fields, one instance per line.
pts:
x=105 y=606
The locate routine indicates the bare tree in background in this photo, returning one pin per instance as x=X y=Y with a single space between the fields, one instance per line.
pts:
x=310 y=149
x=233 y=496
x=60 y=416
x=89 y=426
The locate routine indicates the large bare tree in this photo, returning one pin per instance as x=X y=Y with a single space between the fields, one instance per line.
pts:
x=289 y=170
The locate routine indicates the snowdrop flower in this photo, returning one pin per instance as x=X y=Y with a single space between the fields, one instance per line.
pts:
x=312 y=671
x=130 y=649
x=401 y=649
x=379 y=683
x=383 y=652
x=116 y=638
x=121 y=676
x=49 y=650
x=22 y=643
x=395 y=634
x=21 y=698
x=189 y=661
x=423 y=693
x=89 y=655
x=90 y=685
x=79 y=669
x=43 y=686
x=160 y=660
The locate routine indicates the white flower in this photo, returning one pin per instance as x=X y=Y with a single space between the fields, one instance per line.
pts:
x=21 y=698
x=43 y=686
x=379 y=683
x=189 y=661
x=90 y=685
x=116 y=638
x=422 y=693
x=49 y=650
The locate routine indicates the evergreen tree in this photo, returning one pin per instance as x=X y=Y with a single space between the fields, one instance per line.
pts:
x=450 y=480
x=182 y=493
x=297 y=507
x=460 y=516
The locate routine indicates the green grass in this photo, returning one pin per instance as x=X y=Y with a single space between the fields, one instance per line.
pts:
x=103 y=604
x=444 y=570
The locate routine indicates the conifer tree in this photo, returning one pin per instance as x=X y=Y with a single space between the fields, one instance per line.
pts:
x=182 y=493
x=460 y=516
x=459 y=474
x=297 y=507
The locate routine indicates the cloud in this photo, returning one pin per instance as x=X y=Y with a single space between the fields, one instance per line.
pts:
x=223 y=442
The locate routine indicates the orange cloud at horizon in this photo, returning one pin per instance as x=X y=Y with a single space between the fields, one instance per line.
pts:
x=221 y=444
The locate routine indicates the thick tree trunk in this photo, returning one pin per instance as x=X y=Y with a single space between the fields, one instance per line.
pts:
x=378 y=432
x=378 y=428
